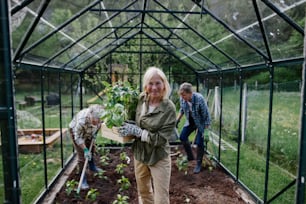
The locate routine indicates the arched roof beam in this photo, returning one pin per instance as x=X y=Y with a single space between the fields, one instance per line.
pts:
x=110 y=51
x=284 y=16
x=200 y=35
x=26 y=37
x=184 y=19
x=20 y=6
x=57 y=29
x=93 y=44
x=117 y=42
x=143 y=14
x=87 y=34
x=172 y=33
x=171 y=53
x=232 y=31
x=176 y=48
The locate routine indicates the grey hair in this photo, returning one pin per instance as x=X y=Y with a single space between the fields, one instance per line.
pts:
x=96 y=110
x=185 y=88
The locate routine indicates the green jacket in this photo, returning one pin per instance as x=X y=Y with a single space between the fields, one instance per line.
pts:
x=160 y=125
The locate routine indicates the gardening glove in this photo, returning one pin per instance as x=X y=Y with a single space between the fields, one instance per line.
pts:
x=130 y=129
x=87 y=154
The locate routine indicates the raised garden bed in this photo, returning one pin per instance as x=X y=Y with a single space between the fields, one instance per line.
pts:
x=31 y=140
x=210 y=186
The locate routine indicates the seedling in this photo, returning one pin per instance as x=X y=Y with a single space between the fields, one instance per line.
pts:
x=124 y=182
x=104 y=160
x=101 y=175
x=120 y=168
x=182 y=163
x=92 y=194
x=125 y=157
x=121 y=199
x=71 y=186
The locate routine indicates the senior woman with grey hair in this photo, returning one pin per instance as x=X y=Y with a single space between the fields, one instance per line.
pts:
x=83 y=129
x=155 y=122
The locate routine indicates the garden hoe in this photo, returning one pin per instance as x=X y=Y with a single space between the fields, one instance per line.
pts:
x=84 y=168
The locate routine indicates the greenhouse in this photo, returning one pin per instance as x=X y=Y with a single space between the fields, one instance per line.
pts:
x=246 y=57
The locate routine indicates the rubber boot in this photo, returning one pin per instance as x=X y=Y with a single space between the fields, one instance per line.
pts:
x=188 y=150
x=93 y=167
x=84 y=184
x=200 y=154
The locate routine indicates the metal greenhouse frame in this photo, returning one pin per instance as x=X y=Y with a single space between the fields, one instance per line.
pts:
x=62 y=43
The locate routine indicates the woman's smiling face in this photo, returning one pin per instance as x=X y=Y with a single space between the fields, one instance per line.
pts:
x=155 y=87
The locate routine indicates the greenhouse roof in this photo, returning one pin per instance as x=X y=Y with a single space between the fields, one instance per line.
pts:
x=206 y=36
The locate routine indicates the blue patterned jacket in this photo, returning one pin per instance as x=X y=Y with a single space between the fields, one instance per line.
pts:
x=200 y=112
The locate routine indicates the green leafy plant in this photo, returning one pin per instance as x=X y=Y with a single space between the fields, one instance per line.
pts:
x=104 y=160
x=120 y=168
x=101 y=175
x=71 y=186
x=125 y=157
x=182 y=163
x=121 y=199
x=92 y=194
x=120 y=103
x=124 y=183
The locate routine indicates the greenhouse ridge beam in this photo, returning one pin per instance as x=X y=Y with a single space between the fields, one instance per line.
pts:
x=150 y=11
x=143 y=15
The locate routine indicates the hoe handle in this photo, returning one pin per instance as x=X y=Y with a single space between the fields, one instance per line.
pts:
x=84 y=168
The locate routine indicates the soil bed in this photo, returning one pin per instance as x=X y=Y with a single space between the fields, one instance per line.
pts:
x=207 y=187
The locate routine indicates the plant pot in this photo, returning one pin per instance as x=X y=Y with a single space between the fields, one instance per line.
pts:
x=112 y=134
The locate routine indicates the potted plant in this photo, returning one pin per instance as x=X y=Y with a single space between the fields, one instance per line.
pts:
x=120 y=101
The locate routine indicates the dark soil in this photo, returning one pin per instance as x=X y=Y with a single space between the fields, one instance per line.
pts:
x=210 y=186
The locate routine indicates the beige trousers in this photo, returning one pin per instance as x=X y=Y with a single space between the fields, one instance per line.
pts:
x=153 y=181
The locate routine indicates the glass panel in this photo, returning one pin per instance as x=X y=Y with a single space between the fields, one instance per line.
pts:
x=284 y=151
x=256 y=133
x=228 y=143
x=240 y=16
x=295 y=9
x=284 y=40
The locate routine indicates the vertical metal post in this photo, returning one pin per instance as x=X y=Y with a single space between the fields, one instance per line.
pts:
x=239 y=124
x=301 y=190
x=220 y=116
x=8 y=125
x=140 y=63
x=42 y=93
x=61 y=121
